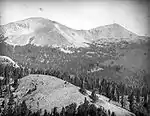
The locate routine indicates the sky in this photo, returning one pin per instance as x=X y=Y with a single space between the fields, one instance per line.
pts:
x=81 y=14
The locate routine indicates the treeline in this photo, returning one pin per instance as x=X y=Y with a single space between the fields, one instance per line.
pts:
x=85 y=109
x=138 y=98
x=10 y=107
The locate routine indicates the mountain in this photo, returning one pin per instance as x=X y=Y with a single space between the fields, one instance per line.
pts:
x=42 y=46
x=40 y=31
x=112 y=31
x=47 y=92
x=41 y=43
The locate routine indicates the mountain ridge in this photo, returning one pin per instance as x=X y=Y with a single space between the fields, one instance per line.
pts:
x=54 y=33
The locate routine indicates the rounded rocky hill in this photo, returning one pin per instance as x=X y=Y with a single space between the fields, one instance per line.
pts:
x=47 y=92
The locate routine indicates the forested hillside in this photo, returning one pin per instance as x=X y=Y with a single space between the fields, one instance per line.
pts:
x=15 y=88
x=107 y=68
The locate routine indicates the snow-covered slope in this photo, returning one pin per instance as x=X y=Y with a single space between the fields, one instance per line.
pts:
x=47 y=92
x=40 y=31
x=112 y=31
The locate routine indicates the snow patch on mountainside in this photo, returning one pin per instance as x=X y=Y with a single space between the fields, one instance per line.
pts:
x=5 y=60
x=72 y=36
x=66 y=51
x=47 y=32
x=16 y=29
x=95 y=69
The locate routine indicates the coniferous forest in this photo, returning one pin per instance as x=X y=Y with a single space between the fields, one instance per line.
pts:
x=138 y=98
x=82 y=69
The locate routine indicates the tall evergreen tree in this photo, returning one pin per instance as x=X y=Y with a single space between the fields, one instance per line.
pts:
x=137 y=95
x=82 y=89
x=131 y=101
x=122 y=100
x=100 y=89
x=0 y=87
x=113 y=114
x=62 y=113
x=115 y=95
x=94 y=96
x=11 y=100
x=23 y=108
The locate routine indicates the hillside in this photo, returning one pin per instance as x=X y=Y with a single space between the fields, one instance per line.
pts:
x=35 y=30
x=127 y=64
x=5 y=60
x=112 y=31
x=41 y=43
x=46 y=92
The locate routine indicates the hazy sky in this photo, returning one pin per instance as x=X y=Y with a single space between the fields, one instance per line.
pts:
x=82 y=14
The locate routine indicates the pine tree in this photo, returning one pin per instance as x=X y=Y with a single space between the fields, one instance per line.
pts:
x=122 y=100
x=113 y=114
x=137 y=96
x=115 y=95
x=0 y=87
x=23 y=108
x=131 y=101
x=100 y=89
x=94 y=96
x=9 y=110
x=98 y=83
x=109 y=112
x=86 y=102
x=82 y=89
x=11 y=100
x=62 y=113
x=104 y=86
x=15 y=85
x=118 y=95
x=148 y=102
x=92 y=110
x=103 y=83
x=55 y=113
x=108 y=93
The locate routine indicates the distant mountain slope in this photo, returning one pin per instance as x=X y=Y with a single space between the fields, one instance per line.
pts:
x=40 y=31
x=47 y=92
x=120 y=53
x=112 y=31
x=119 y=62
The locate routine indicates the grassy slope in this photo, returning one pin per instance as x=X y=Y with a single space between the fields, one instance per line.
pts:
x=46 y=92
